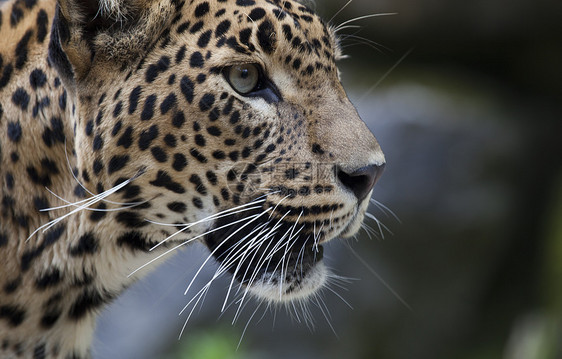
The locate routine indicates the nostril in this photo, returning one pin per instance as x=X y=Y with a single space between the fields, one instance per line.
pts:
x=361 y=181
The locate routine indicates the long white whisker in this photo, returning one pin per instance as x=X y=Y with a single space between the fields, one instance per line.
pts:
x=184 y=243
x=224 y=241
x=384 y=209
x=339 y=11
x=337 y=28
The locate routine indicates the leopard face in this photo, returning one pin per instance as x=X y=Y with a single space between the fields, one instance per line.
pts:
x=233 y=118
x=200 y=120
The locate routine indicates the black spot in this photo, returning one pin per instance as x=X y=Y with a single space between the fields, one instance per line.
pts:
x=287 y=32
x=180 y=55
x=225 y=194
x=244 y=36
x=12 y=286
x=99 y=213
x=42 y=25
x=117 y=111
x=214 y=114
x=201 y=9
x=87 y=301
x=30 y=3
x=178 y=207
x=99 y=117
x=16 y=15
x=180 y=162
x=204 y=39
x=135 y=241
x=222 y=28
x=186 y=86
x=87 y=244
x=55 y=133
x=132 y=191
x=257 y=13
x=40 y=203
x=201 y=78
x=245 y=2
x=151 y=73
x=234 y=155
x=267 y=37
x=178 y=120
x=168 y=103
x=196 y=60
x=20 y=98
x=170 y=140
x=219 y=155
x=10 y=184
x=198 y=155
x=14 y=131
x=6 y=75
x=126 y=139
x=213 y=130
x=206 y=102
x=159 y=154
x=131 y=219
x=163 y=179
x=197 y=202
x=50 y=317
x=200 y=140
x=297 y=64
x=316 y=148
x=183 y=27
x=21 y=49
x=48 y=279
x=89 y=127
x=98 y=143
x=148 y=109
x=97 y=166
x=116 y=163
x=147 y=136
x=37 y=79
x=199 y=187
x=13 y=314
x=62 y=100
x=196 y=27
x=134 y=99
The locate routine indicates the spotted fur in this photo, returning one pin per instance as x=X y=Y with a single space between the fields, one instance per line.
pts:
x=121 y=137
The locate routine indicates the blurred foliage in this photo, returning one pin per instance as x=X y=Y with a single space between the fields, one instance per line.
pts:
x=216 y=344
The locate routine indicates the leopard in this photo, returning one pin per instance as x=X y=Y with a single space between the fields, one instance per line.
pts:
x=130 y=128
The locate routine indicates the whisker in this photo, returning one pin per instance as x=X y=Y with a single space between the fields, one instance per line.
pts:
x=184 y=243
x=384 y=209
x=390 y=289
x=383 y=77
x=339 y=11
x=87 y=204
x=337 y=28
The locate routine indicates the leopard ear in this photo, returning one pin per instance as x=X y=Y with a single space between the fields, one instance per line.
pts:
x=88 y=32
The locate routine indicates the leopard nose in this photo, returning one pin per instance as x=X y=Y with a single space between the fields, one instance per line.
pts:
x=362 y=180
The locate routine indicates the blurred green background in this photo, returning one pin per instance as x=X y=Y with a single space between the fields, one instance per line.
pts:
x=470 y=122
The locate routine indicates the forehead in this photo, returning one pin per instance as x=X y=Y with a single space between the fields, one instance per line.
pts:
x=263 y=27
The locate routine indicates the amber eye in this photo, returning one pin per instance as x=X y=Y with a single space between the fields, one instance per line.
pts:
x=244 y=78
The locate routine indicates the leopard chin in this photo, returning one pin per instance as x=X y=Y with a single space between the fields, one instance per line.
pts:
x=273 y=259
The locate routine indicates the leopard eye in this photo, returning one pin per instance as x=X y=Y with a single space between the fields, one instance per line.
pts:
x=244 y=78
